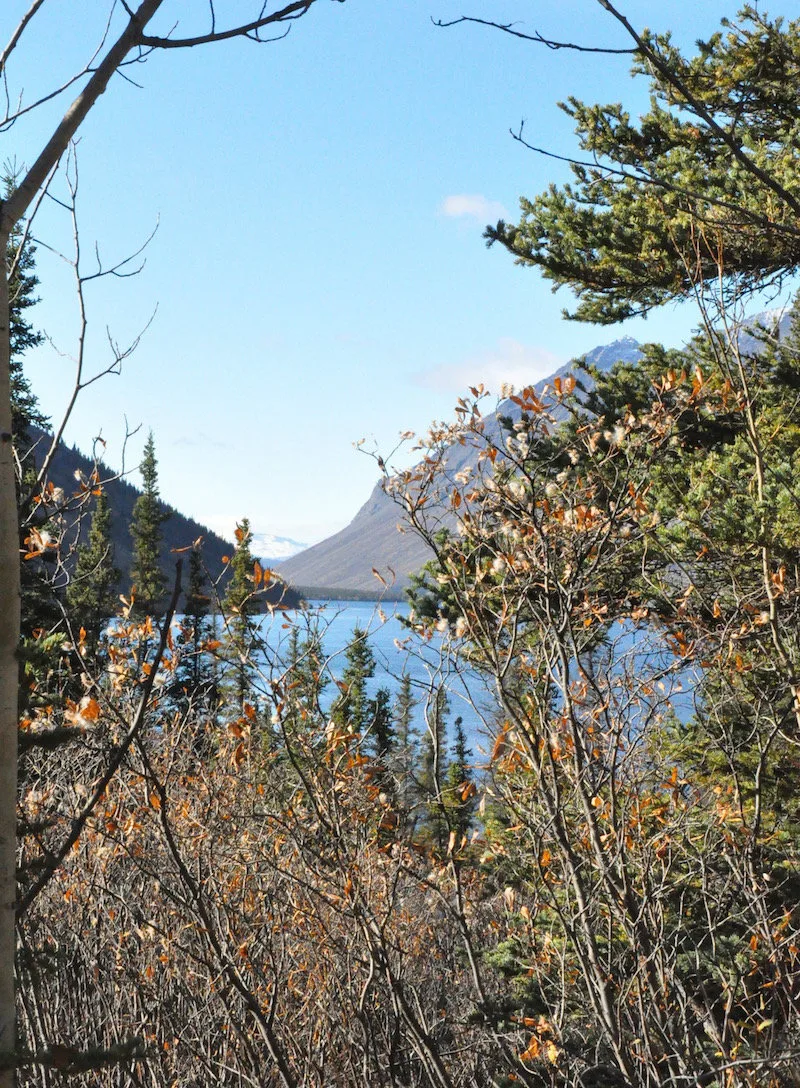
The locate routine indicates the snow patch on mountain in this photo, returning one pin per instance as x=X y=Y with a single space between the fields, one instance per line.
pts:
x=275 y=549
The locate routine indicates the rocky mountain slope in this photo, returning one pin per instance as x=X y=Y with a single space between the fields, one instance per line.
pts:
x=342 y=565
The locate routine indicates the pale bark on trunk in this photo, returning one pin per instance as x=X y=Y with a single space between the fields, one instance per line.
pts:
x=9 y=640
x=12 y=211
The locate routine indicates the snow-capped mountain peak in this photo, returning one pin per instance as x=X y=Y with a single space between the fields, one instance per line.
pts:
x=274 y=549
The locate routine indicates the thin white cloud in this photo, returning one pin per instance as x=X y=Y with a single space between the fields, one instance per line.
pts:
x=510 y=362
x=472 y=206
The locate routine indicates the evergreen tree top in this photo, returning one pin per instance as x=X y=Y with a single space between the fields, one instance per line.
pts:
x=149 y=468
x=20 y=258
x=705 y=185
x=148 y=516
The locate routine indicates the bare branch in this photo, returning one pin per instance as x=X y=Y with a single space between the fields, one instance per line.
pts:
x=12 y=270
x=667 y=73
x=20 y=30
x=119 y=270
x=508 y=28
x=115 y=762
x=246 y=30
x=11 y=117
x=15 y=207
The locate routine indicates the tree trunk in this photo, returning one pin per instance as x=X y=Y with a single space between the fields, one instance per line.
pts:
x=9 y=639
x=12 y=211
x=10 y=214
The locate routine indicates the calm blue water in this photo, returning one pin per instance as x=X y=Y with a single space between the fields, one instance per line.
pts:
x=396 y=652
x=640 y=664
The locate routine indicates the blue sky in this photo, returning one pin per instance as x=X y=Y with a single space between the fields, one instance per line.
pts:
x=318 y=274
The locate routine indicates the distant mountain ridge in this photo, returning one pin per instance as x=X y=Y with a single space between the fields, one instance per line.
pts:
x=343 y=564
x=273 y=550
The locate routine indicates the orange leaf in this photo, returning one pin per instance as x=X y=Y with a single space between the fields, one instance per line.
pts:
x=698 y=381
x=533 y=1051
x=499 y=746
x=91 y=710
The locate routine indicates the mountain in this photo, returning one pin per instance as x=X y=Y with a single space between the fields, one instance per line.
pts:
x=179 y=532
x=342 y=566
x=777 y=319
x=273 y=550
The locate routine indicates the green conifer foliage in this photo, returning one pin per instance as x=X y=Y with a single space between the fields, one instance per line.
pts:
x=148 y=516
x=352 y=708
x=24 y=403
x=196 y=673
x=239 y=605
x=704 y=188
x=405 y=753
x=41 y=617
x=23 y=282
x=195 y=623
x=90 y=594
x=458 y=789
x=305 y=674
x=381 y=726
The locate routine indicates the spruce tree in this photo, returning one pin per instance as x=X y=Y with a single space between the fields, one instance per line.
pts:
x=25 y=411
x=306 y=668
x=405 y=754
x=148 y=515
x=239 y=605
x=196 y=672
x=381 y=726
x=352 y=708
x=699 y=192
x=195 y=624
x=40 y=616
x=90 y=596
x=458 y=789
x=305 y=678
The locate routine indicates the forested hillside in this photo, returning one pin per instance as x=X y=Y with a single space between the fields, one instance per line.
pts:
x=179 y=533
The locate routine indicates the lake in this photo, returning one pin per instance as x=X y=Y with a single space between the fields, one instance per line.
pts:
x=397 y=651
x=642 y=662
